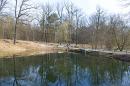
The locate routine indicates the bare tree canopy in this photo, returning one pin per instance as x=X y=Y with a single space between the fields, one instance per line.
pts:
x=64 y=23
x=3 y=4
x=21 y=12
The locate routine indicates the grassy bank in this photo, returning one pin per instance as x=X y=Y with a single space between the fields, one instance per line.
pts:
x=7 y=47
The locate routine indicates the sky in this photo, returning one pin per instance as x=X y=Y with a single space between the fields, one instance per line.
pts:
x=89 y=6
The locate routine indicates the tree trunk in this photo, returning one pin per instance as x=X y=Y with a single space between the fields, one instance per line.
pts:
x=76 y=37
x=15 y=30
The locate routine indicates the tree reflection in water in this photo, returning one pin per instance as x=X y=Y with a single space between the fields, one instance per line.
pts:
x=15 y=83
x=63 y=69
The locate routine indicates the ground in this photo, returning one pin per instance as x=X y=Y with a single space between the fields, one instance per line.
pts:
x=7 y=47
x=24 y=48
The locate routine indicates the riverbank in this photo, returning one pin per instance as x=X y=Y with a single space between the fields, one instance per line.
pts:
x=120 y=55
x=26 y=48
x=7 y=48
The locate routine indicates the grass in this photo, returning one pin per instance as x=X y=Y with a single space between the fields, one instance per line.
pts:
x=7 y=48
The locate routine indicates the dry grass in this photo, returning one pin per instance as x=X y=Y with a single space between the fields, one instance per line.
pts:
x=7 y=47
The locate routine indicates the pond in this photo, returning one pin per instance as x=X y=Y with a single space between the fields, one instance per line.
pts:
x=63 y=69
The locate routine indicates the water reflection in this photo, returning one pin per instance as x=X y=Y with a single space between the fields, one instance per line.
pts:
x=64 y=69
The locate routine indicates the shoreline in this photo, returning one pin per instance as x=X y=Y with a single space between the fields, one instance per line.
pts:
x=27 y=48
x=123 y=56
x=7 y=48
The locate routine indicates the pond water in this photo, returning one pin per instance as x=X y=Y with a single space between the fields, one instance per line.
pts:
x=63 y=69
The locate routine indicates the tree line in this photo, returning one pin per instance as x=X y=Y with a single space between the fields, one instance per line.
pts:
x=64 y=23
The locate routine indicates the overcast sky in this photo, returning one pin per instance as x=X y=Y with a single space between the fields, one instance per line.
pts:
x=89 y=6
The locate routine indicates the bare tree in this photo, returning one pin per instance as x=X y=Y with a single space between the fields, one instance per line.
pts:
x=3 y=4
x=78 y=15
x=120 y=31
x=96 y=21
x=21 y=11
x=60 y=10
x=46 y=13
x=70 y=12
